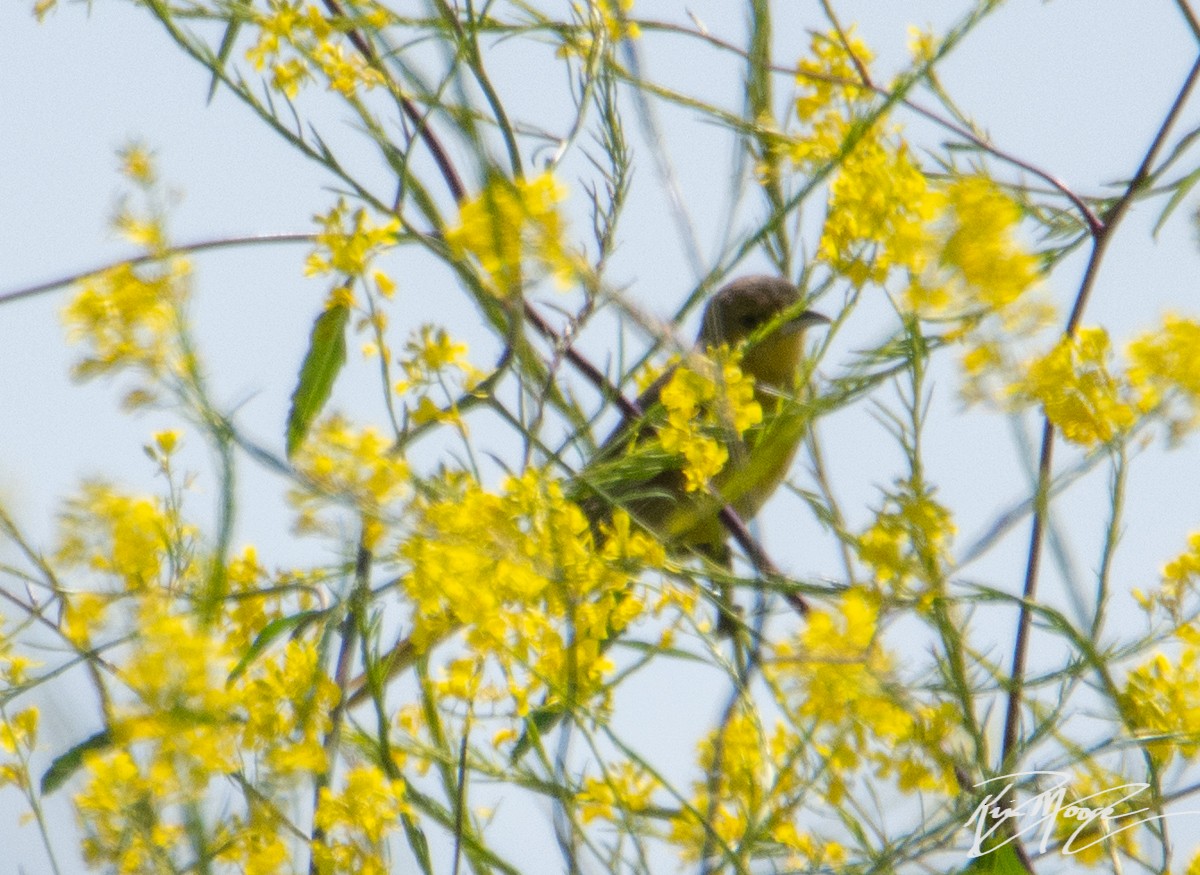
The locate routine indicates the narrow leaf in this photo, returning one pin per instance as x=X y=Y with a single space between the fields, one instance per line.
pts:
x=1002 y=860
x=67 y=764
x=325 y=358
x=1182 y=189
x=269 y=633
x=418 y=843
x=226 y=47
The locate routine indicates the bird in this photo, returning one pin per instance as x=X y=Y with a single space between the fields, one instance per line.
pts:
x=760 y=316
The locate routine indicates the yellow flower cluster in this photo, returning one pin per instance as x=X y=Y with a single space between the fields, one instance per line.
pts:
x=880 y=208
x=133 y=316
x=710 y=403
x=1161 y=700
x=519 y=573
x=187 y=729
x=429 y=354
x=18 y=739
x=908 y=541
x=134 y=540
x=349 y=241
x=956 y=243
x=122 y=818
x=623 y=790
x=344 y=465
x=509 y=221
x=752 y=799
x=607 y=21
x=357 y=820
x=129 y=317
x=1091 y=399
x=1079 y=394
x=831 y=89
x=433 y=359
x=1096 y=841
x=880 y=203
x=137 y=165
x=14 y=668
x=837 y=672
x=975 y=262
x=296 y=39
x=246 y=611
x=1179 y=577
x=1164 y=365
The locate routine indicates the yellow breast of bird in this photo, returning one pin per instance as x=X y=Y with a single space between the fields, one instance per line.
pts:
x=756 y=467
x=631 y=469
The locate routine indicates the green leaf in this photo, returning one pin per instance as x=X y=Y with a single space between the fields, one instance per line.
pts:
x=269 y=633
x=325 y=358
x=227 y=42
x=1000 y=861
x=1182 y=189
x=418 y=843
x=67 y=764
x=537 y=724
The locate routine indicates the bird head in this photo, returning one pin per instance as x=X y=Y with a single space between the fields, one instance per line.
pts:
x=760 y=313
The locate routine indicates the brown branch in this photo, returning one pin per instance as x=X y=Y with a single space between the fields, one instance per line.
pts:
x=146 y=258
x=1050 y=179
x=1101 y=240
x=1188 y=14
x=423 y=132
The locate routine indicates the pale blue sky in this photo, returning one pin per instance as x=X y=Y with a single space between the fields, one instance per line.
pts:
x=1074 y=86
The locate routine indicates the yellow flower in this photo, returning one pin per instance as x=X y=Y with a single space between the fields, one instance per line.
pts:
x=1179 y=577
x=922 y=44
x=510 y=221
x=1092 y=841
x=1161 y=699
x=852 y=708
x=830 y=79
x=1078 y=393
x=879 y=211
x=356 y=820
x=342 y=463
x=42 y=8
x=137 y=164
x=129 y=317
x=13 y=666
x=129 y=538
x=975 y=262
x=18 y=739
x=83 y=616
x=607 y=22
x=709 y=403
x=348 y=242
x=297 y=41
x=909 y=539
x=552 y=598
x=434 y=360
x=624 y=789
x=752 y=795
x=1165 y=368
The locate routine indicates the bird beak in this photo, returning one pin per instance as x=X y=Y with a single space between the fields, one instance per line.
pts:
x=803 y=320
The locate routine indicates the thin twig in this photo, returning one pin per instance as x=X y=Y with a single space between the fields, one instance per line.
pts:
x=1050 y=179
x=158 y=255
x=1101 y=240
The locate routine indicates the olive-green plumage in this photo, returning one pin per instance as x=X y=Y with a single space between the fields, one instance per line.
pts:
x=760 y=314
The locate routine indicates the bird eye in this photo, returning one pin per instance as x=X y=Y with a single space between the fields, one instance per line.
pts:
x=749 y=320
